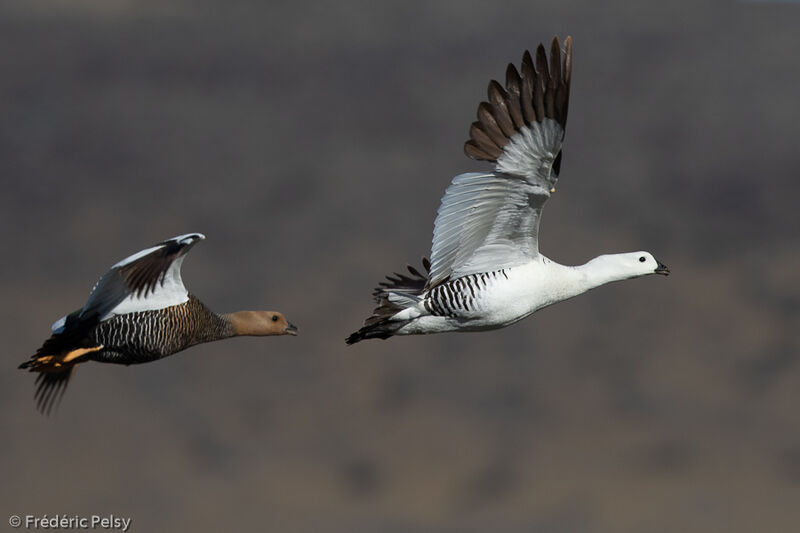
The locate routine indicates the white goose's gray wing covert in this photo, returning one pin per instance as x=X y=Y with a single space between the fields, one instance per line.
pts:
x=489 y=221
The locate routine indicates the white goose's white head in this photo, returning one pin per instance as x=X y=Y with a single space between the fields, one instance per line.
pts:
x=615 y=267
x=642 y=264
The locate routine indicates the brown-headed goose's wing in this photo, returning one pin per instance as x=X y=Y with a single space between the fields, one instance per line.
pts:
x=146 y=281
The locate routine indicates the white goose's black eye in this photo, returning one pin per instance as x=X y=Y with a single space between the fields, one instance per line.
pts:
x=274 y=318
x=642 y=259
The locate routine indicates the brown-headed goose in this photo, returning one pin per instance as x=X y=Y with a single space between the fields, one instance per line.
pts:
x=138 y=312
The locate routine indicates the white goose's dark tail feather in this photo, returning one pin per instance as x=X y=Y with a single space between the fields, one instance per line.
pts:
x=392 y=296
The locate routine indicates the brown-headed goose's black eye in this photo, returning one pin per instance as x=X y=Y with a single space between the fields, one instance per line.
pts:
x=642 y=259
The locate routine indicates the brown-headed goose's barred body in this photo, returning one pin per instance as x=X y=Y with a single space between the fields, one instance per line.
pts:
x=138 y=312
x=145 y=336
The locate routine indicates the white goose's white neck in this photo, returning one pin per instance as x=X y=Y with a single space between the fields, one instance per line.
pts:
x=601 y=270
x=550 y=282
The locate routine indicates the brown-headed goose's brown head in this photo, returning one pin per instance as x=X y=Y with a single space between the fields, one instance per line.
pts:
x=260 y=323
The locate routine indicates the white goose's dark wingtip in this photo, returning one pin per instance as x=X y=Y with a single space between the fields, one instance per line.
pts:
x=538 y=91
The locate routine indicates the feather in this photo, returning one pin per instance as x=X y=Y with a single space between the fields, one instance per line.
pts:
x=528 y=89
x=490 y=126
x=514 y=87
x=482 y=140
x=497 y=99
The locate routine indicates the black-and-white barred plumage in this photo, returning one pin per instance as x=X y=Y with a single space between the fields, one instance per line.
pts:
x=453 y=298
x=149 y=335
x=457 y=297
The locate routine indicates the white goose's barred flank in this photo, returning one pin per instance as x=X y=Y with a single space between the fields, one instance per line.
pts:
x=461 y=296
x=486 y=271
x=138 y=312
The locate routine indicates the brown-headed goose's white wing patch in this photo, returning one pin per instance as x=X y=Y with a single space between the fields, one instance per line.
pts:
x=490 y=221
x=146 y=281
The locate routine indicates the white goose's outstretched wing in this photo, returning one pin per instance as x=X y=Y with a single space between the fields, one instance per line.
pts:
x=147 y=280
x=489 y=221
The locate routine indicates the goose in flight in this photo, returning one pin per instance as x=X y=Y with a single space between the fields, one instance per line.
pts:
x=485 y=270
x=138 y=312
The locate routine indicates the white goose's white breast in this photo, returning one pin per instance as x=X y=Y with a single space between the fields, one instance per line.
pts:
x=528 y=288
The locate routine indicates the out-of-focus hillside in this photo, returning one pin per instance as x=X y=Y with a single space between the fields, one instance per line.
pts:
x=311 y=143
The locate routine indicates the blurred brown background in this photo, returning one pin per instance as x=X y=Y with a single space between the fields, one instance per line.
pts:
x=311 y=143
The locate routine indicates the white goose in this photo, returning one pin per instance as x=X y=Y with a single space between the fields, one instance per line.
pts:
x=486 y=271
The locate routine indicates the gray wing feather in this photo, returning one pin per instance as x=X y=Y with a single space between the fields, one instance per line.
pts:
x=532 y=151
x=489 y=221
